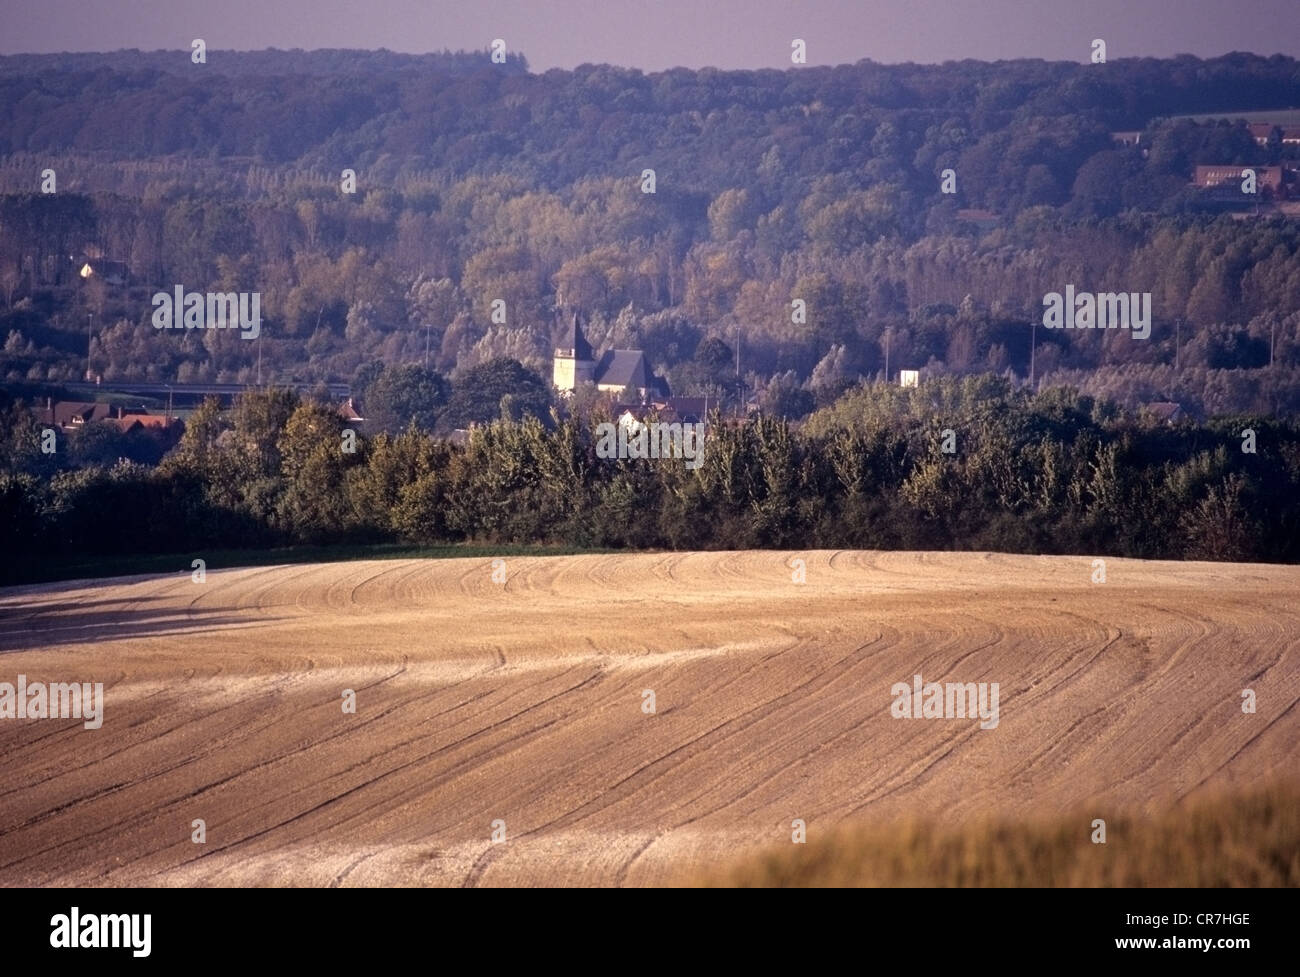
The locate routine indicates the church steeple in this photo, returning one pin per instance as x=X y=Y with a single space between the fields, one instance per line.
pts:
x=572 y=344
x=574 y=362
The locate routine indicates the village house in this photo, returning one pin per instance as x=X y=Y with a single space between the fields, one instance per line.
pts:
x=1261 y=132
x=109 y=272
x=348 y=411
x=669 y=410
x=1227 y=179
x=129 y=421
x=1164 y=411
x=70 y=416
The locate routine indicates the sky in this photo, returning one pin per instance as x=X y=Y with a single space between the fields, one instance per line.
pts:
x=657 y=34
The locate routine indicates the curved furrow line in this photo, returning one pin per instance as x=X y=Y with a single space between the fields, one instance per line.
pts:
x=244 y=732
x=422 y=758
x=744 y=720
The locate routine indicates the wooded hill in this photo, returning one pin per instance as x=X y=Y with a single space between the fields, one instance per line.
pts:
x=478 y=182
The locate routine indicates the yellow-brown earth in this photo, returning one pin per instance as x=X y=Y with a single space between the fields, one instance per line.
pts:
x=523 y=701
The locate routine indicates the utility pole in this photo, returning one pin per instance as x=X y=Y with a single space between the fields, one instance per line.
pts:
x=259 y=358
x=1178 y=344
x=740 y=387
x=889 y=335
x=1033 y=344
x=90 y=320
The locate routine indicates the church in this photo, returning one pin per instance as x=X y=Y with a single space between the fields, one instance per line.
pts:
x=615 y=371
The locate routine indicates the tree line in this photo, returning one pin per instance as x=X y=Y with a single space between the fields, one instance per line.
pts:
x=954 y=464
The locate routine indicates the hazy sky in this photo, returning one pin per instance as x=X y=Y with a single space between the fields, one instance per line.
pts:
x=657 y=34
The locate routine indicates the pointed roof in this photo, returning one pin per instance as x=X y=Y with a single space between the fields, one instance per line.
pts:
x=572 y=342
x=623 y=368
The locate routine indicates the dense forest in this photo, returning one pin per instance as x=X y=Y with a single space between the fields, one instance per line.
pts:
x=478 y=182
x=952 y=464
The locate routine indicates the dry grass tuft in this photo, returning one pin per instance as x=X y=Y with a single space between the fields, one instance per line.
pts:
x=1247 y=839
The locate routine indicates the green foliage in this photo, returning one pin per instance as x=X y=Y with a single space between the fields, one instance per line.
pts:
x=1046 y=473
x=105 y=443
x=399 y=396
x=314 y=505
x=481 y=392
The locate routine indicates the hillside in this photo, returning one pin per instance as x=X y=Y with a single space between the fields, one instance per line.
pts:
x=919 y=212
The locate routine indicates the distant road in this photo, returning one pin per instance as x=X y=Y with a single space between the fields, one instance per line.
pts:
x=197 y=391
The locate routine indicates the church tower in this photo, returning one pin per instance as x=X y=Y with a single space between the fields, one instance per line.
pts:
x=574 y=363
